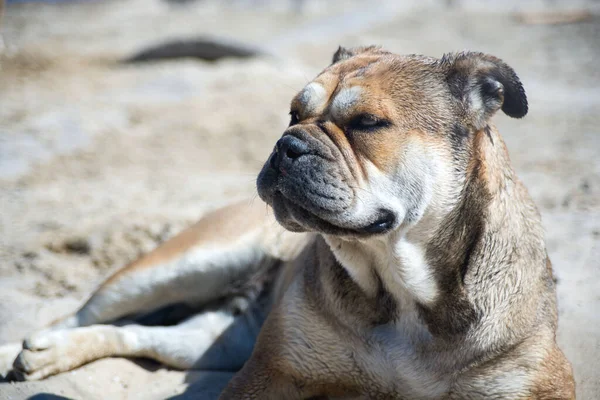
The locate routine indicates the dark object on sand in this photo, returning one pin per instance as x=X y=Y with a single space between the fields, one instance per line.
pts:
x=553 y=17
x=204 y=49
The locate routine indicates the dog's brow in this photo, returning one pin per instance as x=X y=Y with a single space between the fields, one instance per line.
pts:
x=312 y=97
x=344 y=101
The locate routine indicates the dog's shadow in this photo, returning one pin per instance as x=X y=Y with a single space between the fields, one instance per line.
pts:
x=204 y=385
x=226 y=356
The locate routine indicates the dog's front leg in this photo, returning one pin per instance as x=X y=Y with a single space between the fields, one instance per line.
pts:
x=182 y=346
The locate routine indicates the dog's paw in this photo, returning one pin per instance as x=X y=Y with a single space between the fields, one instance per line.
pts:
x=44 y=354
x=8 y=353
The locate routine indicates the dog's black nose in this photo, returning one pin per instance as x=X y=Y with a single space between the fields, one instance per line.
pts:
x=288 y=149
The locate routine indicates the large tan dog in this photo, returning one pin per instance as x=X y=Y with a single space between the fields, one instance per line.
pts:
x=418 y=271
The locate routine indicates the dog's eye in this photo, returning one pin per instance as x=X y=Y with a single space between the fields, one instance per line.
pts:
x=294 y=118
x=367 y=122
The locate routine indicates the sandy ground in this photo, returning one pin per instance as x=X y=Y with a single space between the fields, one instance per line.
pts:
x=100 y=161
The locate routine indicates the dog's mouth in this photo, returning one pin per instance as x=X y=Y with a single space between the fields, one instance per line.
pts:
x=295 y=217
x=384 y=223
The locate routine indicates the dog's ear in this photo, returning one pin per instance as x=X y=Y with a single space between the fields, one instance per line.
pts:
x=483 y=84
x=343 y=53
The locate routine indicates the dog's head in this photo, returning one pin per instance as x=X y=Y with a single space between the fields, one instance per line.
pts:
x=377 y=140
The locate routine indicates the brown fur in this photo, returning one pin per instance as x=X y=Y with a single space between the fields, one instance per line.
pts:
x=554 y=377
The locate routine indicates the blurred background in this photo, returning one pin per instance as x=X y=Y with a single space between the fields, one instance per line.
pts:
x=123 y=121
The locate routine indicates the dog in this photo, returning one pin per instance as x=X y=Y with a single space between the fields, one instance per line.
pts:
x=399 y=256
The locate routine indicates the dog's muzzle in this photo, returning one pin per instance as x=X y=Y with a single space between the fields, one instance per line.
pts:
x=307 y=183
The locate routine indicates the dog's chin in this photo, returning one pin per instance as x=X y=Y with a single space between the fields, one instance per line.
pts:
x=297 y=218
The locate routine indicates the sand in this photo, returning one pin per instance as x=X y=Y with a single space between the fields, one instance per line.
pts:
x=101 y=161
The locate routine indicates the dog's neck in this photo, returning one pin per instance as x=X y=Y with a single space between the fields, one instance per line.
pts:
x=402 y=260
x=397 y=261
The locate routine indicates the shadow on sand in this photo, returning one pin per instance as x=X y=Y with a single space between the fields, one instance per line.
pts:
x=47 y=396
x=225 y=357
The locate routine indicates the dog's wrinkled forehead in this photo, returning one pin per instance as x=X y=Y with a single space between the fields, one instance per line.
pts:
x=458 y=92
x=374 y=82
x=339 y=87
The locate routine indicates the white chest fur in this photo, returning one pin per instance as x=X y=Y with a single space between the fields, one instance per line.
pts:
x=403 y=269
x=400 y=264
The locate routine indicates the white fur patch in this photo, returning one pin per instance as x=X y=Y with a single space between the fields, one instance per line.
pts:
x=313 y=97
x=414 y=272
x=344 y=101
x=384 y=192
x=356 y=261
x=401 y=264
